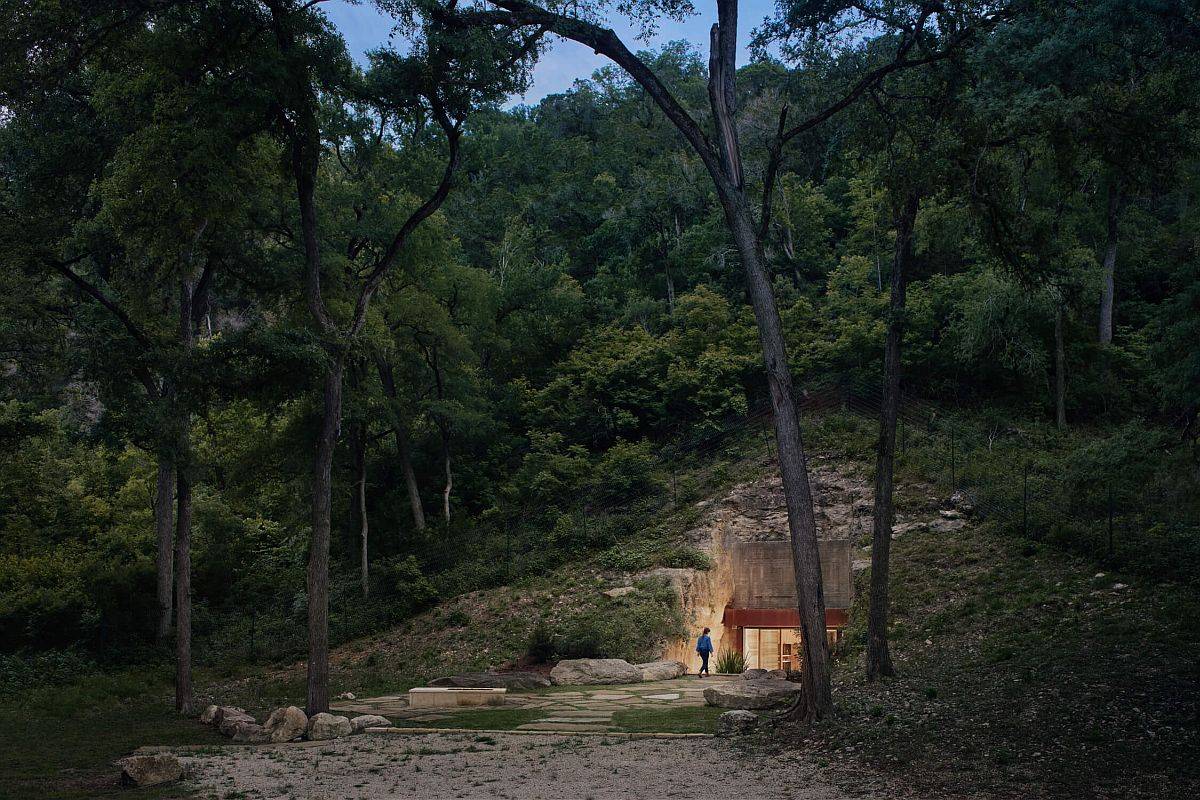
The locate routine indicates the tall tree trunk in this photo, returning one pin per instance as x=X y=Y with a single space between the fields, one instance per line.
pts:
x=1111 y=218
x=364 y=528
x=183 y=527
x=164 y=527
x=318 y=554
x=879 y=659
x=817 y=702
x=388 y=379
x=445 y=431
x=183 y=595
x=410 y=477
x=1060 y=368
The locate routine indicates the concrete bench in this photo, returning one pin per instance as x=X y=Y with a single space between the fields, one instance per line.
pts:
x=454 y=697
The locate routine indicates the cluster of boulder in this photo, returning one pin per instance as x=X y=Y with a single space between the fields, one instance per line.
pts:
x=286 y=725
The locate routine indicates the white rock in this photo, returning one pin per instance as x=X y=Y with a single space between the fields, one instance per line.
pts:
x=209 y=715
x=619 y=591
x=661 y=670
x=361 y=723
x=150 y=770
x=589 y=671
x=737 y=721
x=286 y=724
x=327 y=726
x=232 y=721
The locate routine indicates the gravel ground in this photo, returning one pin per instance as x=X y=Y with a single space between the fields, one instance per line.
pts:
x=496 y=765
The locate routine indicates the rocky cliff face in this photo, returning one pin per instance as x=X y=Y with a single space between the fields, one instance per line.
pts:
x=755 y=511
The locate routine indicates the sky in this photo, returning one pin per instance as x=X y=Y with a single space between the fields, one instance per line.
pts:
x=365 y=28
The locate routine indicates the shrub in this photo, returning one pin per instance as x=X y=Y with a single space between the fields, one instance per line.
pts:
x=730 y=662
x=541 y=643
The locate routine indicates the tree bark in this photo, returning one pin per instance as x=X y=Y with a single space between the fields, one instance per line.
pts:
x=879 y=659
x=164 y=559
x=1060 y=368
x=1107 y=294
x=183 y=526
x=183 y=595
x=449 y=475
x=318 y=553
x=403 y=451
x=364 y=528
x=410 y=477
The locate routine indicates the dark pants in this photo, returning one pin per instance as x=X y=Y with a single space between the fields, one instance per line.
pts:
x=704 y=663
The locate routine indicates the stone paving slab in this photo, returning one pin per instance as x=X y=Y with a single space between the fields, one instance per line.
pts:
x=586 y=707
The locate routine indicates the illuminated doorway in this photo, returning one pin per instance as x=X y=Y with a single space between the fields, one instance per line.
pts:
x=771 y=648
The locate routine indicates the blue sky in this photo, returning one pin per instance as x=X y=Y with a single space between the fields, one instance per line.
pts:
x=365 y=29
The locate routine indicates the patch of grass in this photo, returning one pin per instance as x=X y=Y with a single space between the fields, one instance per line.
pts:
x=59 y=743
x=669 y=719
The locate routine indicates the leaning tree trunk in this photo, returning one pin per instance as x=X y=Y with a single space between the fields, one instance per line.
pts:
x=879 y=659
x=1060 y=368
x=817 y=702
x=183 y=528
x=1107 y=293
x=318 y=554
x=164 y=559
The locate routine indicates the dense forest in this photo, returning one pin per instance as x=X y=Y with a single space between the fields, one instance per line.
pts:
x=315 y=341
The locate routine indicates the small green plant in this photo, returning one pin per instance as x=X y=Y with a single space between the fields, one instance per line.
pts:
x=730 y=661
x=541 y=643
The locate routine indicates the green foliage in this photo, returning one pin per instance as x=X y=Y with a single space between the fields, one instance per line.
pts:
x=730 y=662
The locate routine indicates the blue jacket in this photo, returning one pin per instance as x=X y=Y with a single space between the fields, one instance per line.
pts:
x=704 y=644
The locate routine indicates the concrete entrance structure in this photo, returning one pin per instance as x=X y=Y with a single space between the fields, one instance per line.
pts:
x=454 y=697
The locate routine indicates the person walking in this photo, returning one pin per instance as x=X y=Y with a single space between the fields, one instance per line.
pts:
x=704 y=647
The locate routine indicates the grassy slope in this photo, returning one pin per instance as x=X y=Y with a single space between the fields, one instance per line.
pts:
x=1023 y=673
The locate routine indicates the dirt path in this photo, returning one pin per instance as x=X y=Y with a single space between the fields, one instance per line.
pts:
x=524 y=767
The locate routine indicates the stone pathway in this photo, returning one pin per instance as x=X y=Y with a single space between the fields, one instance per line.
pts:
x=583 y=709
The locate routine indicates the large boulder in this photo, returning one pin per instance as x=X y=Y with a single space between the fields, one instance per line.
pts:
x=585 y=671
x=232 y=721
x=249 y=733
x=752 y=693
x=362 y=722
x=735 y=722
x=150 y=770
x=494 y=680
x=209 y=715
x=286 y=724
x=327 y=726
x=661 y=670
x=213 y=715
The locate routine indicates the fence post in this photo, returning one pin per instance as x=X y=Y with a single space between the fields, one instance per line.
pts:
x=1025 y=504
